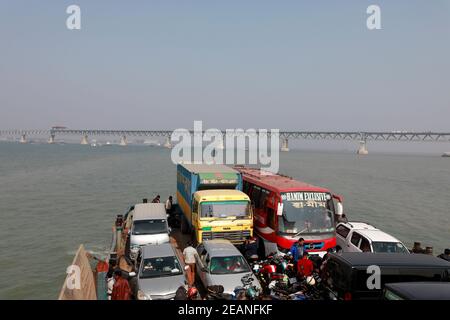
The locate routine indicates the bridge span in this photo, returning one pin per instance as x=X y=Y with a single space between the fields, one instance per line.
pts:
x=360 y=136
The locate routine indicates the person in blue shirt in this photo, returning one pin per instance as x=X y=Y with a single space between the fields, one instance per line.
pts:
x=298 y=249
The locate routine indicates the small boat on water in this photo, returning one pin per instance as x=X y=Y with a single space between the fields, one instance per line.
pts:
x=446 y=154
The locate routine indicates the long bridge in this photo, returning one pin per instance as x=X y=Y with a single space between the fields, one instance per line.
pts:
x=361 y=136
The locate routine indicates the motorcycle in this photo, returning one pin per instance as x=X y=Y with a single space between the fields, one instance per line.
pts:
x=248 y=291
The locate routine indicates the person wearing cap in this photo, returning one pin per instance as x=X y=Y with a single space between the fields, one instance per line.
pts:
x=446 y=255
x=121 y=289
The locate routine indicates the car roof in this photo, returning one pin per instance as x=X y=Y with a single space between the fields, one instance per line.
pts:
x=358 y=225
x=143 y=211
x=377 y=235
x=364 y=259
x=421 y=290
x=370 y=232
x=220 y=248
x=157 y=250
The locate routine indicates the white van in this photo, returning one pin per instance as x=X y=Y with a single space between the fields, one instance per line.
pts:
x=148 y=226
x=363 y=237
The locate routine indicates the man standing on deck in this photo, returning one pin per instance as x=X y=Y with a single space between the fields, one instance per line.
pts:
x=168 y=206
x=157 y=199
x=189 y=254
x=297 y=250
x=121 y=289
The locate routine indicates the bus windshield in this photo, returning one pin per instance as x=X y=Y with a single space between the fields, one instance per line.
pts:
x=306 y=212
x=225 y=209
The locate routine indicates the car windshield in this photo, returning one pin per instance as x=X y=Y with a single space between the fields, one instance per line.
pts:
x=227 y=265
x=154 y=226
x=160 y=267
x=306 y=212
x=224 y=209
x=389 y=247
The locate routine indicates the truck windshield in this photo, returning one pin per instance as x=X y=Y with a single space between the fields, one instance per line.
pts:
x=227 y=265
x=154 y=226
x=225 y=209
x=389 y=247
x=160 y=267
x=306 y=212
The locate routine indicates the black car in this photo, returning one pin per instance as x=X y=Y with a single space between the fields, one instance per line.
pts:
x=349 y=275
x=417 y=291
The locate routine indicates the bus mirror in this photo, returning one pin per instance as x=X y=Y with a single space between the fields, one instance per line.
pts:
x=280 y=209
x=339 y=209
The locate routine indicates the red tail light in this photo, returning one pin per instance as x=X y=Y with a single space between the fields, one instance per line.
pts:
x=347 y=296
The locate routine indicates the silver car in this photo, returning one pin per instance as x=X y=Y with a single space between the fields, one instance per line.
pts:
x=219 y=262
x=148 y=224
x=160 y=272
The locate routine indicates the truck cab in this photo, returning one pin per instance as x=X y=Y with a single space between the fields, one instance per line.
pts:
x=222 y=214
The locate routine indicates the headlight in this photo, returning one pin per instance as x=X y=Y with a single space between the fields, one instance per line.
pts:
x=142 y=296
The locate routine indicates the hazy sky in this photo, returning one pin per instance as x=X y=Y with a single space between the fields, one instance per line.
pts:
x=306 y=65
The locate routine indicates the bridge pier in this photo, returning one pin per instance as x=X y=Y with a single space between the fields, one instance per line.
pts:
x=51 y=140
x=284 y=145
x=362 y=150
x=168 y=144
x=23 y=138
x=123 y=141
x=84 y=140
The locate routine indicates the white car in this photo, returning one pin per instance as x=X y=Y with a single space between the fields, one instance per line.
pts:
x=363 y=237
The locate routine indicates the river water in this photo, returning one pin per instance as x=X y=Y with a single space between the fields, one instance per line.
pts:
x=55 y=197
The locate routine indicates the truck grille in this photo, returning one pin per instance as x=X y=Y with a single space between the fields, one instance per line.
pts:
x=233 y=236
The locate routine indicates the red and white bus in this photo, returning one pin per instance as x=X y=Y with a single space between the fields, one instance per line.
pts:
x=286 y=210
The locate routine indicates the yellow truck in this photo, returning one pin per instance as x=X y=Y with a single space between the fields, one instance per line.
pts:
x=213 y=204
